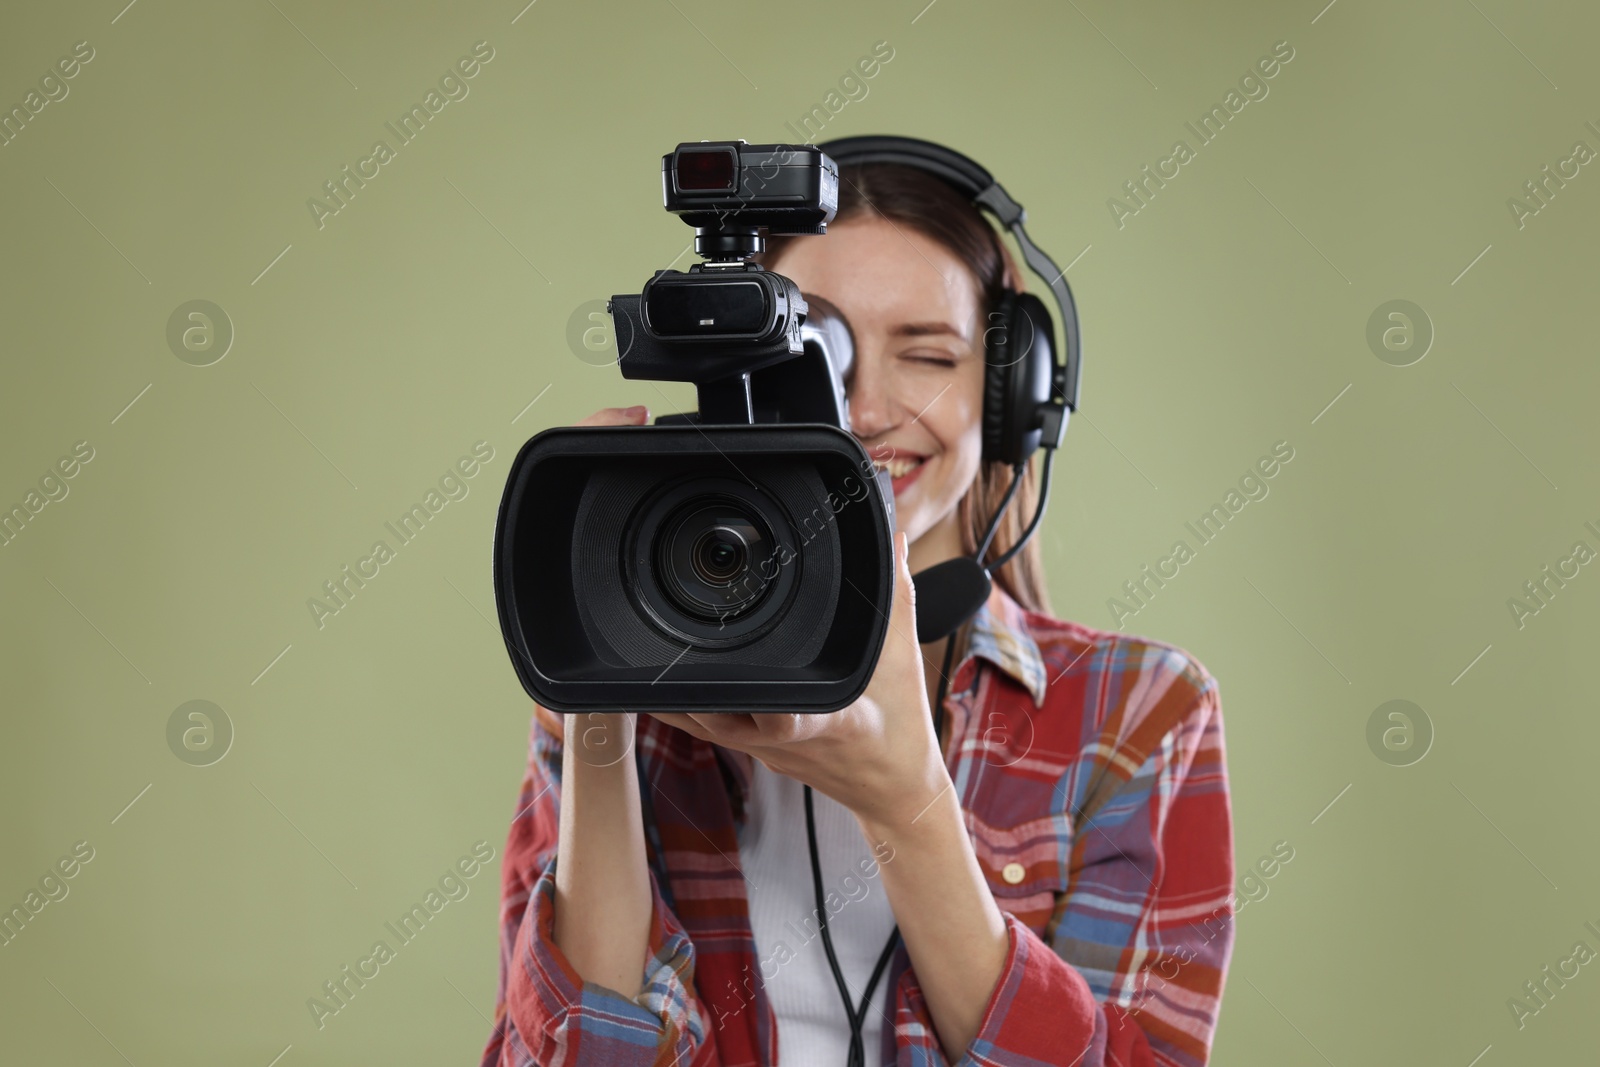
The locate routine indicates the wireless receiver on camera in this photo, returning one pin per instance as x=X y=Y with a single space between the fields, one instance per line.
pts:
x=738 y=557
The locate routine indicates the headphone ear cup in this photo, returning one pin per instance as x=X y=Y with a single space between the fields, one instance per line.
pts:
x=1019 y=358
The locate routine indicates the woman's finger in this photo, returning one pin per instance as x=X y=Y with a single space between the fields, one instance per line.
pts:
x=636 y=415
x=730 y=729
x=778 y=728
x=682 y=722
x=903 y=611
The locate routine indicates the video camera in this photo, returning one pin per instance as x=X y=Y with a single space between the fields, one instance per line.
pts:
x=734 y=558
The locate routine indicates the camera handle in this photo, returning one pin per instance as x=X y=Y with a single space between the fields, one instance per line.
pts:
x=725 y=400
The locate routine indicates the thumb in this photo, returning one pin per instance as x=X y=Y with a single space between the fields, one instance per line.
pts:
x=904 y=611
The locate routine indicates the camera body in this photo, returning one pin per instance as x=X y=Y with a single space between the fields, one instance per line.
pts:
x=734 y=558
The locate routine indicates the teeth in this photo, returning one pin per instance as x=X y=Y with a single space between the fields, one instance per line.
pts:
x=897 y=466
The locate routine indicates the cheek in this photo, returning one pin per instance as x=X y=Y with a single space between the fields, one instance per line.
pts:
x=957 y=414
x=956 y=422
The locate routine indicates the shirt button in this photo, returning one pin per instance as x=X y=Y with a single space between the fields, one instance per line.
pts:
x=1013 y=873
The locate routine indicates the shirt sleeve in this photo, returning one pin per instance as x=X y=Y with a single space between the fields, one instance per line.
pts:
x=1130 y=968
x=545 y=1013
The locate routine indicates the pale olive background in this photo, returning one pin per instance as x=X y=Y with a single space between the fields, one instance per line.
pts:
x=428 y=314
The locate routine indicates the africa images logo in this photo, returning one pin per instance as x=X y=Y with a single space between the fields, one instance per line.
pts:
x=341 y=589
x=1252 y=86
x=453 y=885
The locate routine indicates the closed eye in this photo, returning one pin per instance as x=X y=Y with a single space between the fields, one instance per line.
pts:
x=931 y=358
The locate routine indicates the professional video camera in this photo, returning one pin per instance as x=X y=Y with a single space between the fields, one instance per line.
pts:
x=738 y=557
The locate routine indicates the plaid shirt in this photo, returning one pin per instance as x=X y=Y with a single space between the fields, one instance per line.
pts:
x=1089 y=762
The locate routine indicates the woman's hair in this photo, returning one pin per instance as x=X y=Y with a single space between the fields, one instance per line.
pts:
x=909 y=197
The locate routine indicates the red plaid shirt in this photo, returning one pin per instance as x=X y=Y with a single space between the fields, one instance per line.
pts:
x=1092 y=759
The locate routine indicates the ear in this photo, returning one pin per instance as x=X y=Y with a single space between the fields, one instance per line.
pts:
x=1014 y=279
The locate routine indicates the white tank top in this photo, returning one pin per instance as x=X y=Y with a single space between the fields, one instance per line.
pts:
x=813 y=1030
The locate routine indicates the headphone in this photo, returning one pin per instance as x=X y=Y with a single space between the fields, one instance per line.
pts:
x=1027 y=394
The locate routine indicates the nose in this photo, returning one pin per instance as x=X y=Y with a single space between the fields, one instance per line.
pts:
x=873 y=411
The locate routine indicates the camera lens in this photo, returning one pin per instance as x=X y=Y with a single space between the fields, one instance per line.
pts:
x=719 y=555
x=709 y=557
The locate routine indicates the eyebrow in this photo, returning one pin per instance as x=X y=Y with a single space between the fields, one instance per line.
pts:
x=926 y=329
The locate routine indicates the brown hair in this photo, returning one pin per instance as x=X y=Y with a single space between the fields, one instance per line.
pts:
x=910 y=197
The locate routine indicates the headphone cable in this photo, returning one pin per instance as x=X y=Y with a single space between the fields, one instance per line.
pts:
x=1005 y=502
x=856 y=1015
x=1038 y=513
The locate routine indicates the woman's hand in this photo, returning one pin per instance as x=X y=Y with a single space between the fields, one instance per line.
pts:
x=602 y=899
x=878 y=757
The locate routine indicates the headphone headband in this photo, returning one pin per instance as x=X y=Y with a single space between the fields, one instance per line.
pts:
x=971 y=180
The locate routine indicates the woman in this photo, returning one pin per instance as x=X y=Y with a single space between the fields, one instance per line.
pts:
x=1058 y=862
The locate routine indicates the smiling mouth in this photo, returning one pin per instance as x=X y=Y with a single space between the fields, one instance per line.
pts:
x=898 y=466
